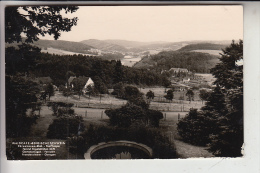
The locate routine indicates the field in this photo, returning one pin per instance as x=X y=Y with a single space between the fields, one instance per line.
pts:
x=93 y=112
x=51 y=50
x=207 y=76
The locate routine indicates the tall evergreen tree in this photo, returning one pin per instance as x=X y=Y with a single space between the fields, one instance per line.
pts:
x=220 y=121
x=119 y=73
x=229 y=76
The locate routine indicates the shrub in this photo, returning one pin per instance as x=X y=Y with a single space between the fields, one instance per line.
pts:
x=20 y=97
x=65 y=111
x=64 y=127
x=193 y=130
x=154 y=116
x=124 y=116
x=76 y=144
x=61 y=108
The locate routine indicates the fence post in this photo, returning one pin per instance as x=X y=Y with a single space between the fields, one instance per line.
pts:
x=86 y=113
x=101 y=114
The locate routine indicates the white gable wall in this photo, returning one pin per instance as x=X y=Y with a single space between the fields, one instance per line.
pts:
x=89 y=82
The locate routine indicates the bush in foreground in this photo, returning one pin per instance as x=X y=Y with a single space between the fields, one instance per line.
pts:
x=63 y=127
x=193 y=130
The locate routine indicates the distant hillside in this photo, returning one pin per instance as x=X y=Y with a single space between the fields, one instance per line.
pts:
x=137 y=46
x=103 y=45
x=126 y=43
x=203 y=46
x=133 y=44
x=59 y=44
x=163 y=46
x=193 y=61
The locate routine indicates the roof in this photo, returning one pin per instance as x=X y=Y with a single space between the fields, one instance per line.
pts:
x=71 y=79
x=83 y=79
x=179 y=69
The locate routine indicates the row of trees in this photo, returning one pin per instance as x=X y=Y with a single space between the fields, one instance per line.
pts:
x=170 y=95
x=220 y=122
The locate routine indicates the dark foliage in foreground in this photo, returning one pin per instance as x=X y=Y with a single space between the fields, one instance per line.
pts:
x=193 y=130
x=64 y=126
x=220 y=122
x=41 y=20
x=67 y=123
x=20 y=96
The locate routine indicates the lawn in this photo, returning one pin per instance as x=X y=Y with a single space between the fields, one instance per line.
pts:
x=168 y=127
x=107 y=101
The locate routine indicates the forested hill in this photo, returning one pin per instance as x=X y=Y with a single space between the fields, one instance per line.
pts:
x=32 y=62
x=203 y=46
x=103 y=45
x=193 y=61
x=59 y=44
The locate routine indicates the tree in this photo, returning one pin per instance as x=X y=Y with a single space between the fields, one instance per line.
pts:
x=20 y=96
x=37 y=20
x=67 y=92
x=229 y=77
x=190 y=95
x=169 y=95
x=100 y=86
x=91 y=90
x=150 y=95
x=49 y=90
x=196 y=127
x=181 y=98
x=21 y=93
x=227 y=73
x=22 y=60
x=119 y=90
x=78 y=84
x=124 y=116
x=166 y=82
x=204 y=95
x=220 y=121
x=132 y=91
x=139 y=101
x=118 y=73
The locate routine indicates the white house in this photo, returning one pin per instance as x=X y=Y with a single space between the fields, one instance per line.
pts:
x=89 y=82
x=86 y=80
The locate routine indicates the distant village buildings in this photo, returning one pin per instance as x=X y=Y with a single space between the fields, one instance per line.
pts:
x=179 y=70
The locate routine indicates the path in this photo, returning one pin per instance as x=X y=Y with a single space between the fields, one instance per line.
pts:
x=189 y=151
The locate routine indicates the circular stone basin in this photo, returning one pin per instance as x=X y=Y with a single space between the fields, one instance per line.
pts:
x=119 y=150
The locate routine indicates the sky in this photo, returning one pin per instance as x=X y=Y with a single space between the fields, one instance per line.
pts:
x=156 y=23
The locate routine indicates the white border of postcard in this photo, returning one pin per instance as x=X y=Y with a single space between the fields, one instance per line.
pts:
x=248 y=163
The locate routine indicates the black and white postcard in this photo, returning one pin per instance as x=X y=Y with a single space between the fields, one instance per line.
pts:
x=123 y=82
